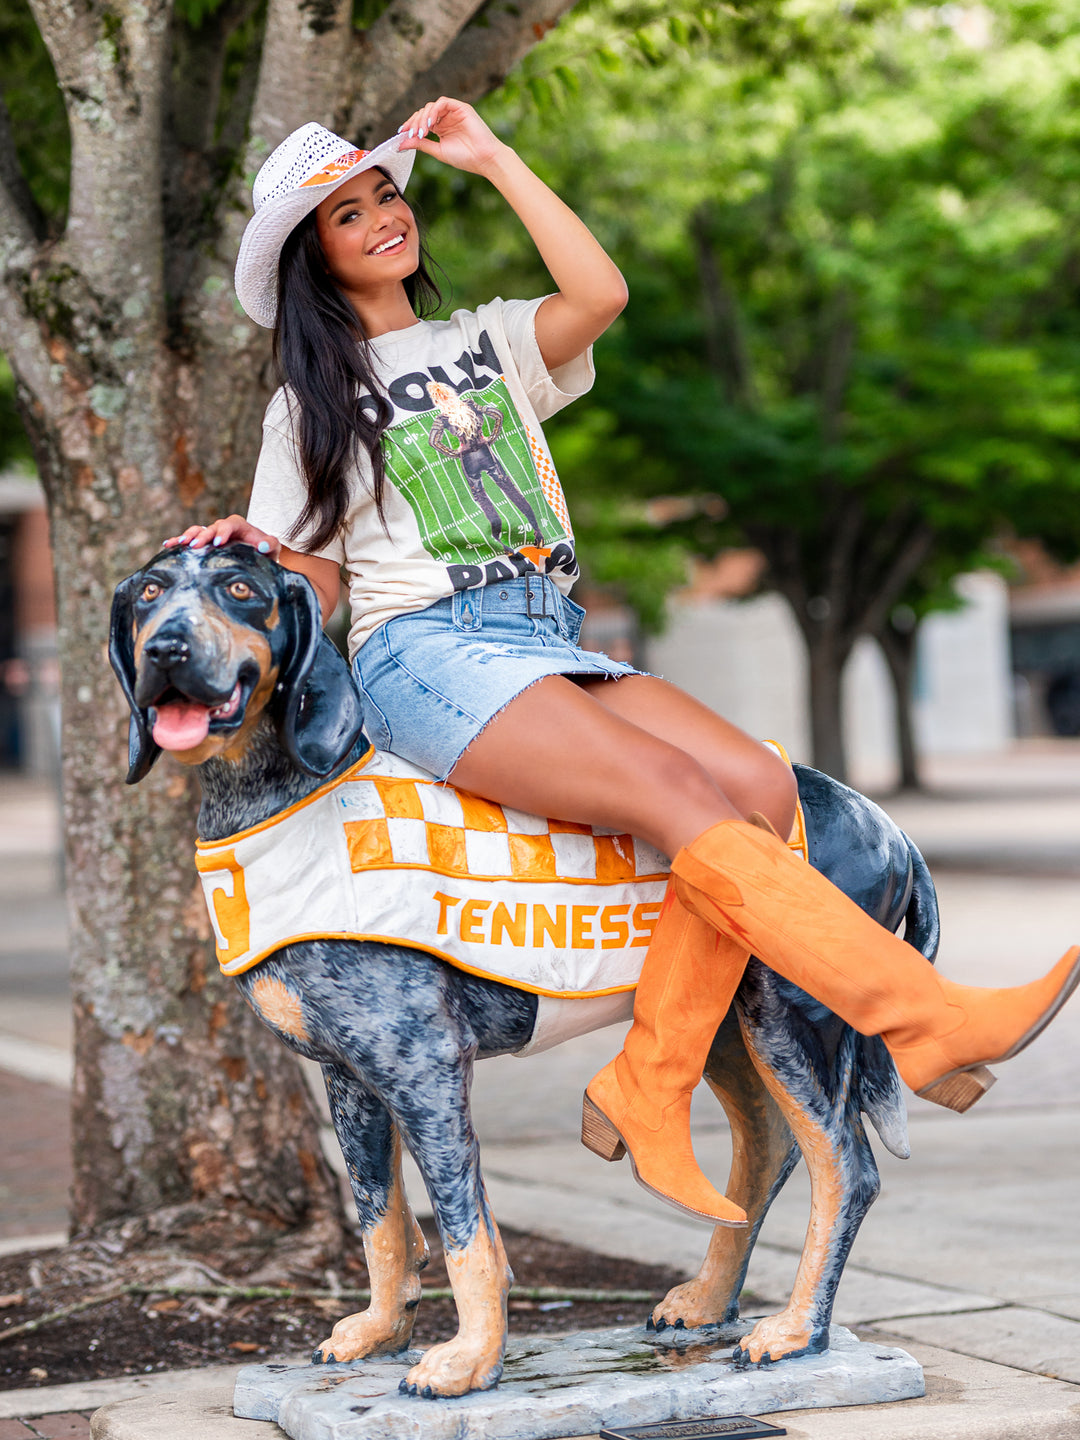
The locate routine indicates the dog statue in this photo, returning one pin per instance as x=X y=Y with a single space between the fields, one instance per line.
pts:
x=222 y=659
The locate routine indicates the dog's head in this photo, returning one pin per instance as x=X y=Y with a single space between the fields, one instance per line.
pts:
x=204 y=642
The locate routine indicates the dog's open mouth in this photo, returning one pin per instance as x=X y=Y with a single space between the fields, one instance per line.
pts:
x=182 y=724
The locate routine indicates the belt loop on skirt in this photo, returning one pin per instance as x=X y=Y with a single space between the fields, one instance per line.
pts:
x=543 y=601
x=467 y=608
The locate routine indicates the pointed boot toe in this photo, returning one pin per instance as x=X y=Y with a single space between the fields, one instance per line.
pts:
x=993 y=1025
x=941 y=1035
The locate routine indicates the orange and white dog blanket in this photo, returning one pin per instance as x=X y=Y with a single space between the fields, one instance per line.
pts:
x=385 y=853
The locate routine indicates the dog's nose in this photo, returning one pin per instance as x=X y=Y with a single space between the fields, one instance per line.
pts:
x=166 y=650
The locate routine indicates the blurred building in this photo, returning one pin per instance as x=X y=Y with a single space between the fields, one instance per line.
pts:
x=746 y=659
x=29 y=674
x=1045 y=626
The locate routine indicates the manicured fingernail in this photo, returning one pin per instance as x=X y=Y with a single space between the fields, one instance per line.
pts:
x=219 y=540
x=196 y=545
x=264 y=548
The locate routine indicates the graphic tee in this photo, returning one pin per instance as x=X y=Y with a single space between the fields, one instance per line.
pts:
x=471 y=494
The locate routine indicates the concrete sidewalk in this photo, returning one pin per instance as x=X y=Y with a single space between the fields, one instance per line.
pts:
x=1016 y=814
x=969 y=1258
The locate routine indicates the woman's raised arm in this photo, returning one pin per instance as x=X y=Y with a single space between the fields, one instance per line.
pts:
x=592 y=291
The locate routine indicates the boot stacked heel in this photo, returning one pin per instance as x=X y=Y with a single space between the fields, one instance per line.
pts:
x=598 y=1134
x=960 y=1091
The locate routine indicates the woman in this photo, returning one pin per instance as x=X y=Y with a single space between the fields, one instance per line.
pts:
x=410 y=453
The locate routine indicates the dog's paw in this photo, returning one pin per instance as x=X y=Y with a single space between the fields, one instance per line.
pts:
x=779 y=1337
x=689 y=1306
x=357 y=1337
x=454 y=1368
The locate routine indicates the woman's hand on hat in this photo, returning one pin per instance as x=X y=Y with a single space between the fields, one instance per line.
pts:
x=465 y=141
x=232 y=529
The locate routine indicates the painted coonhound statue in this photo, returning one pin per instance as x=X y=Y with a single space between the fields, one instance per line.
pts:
x=229 y=645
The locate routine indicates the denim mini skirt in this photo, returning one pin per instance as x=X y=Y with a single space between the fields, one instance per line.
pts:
x=432 y=679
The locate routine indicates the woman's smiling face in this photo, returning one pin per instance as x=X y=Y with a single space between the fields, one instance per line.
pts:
x=368 y=233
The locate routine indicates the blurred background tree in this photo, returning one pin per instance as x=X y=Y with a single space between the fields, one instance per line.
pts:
x=853 y=304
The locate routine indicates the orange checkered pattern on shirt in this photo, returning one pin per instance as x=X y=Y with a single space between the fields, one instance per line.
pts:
x=549 y=481
x=433 y=827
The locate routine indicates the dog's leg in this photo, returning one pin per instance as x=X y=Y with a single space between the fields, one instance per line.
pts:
x=441 y=1138
x=480 y=1277
x=394 y=1017
x=763 y=1156
x=394 y=1244
x=843 y=1178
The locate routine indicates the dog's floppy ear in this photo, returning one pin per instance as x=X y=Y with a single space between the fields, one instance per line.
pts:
x=318 y=714
x=142 y=749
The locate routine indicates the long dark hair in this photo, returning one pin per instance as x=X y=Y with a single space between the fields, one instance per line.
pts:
x=323 y=355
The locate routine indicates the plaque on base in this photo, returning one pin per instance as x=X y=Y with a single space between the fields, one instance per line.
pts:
x=722 y=1427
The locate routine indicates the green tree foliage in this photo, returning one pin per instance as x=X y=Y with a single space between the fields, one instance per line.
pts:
x=853 y=273
x=31 y=103
x=14 y=446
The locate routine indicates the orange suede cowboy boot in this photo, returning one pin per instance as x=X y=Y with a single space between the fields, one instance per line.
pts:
x=746 y=883
x=640 y=1101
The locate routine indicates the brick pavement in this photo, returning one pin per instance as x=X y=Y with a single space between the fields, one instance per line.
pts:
x=35 y=1169
x=73 y=1425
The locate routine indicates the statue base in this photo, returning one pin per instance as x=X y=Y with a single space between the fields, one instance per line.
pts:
x=575 y=1385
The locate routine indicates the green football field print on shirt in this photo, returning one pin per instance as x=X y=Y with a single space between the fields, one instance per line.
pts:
x=471 y=447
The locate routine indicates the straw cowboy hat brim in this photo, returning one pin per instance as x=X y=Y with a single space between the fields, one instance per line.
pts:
x=305 y=167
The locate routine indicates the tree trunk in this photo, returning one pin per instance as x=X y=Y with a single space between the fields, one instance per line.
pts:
x=899 y=648
x=825 y=673
x=193 y=1125
x=841 y=582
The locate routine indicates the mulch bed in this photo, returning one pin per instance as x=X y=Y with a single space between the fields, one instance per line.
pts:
x=134 y=1334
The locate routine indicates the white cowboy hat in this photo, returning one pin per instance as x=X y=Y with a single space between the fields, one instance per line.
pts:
x=307 y=165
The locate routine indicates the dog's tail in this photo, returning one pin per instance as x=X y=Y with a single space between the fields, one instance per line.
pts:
x=922 y=923
x=880 y=1094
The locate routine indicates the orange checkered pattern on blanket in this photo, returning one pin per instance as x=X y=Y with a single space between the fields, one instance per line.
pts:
x=433 y=827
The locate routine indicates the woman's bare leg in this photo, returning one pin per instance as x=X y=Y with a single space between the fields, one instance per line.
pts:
x=558 y=749
x=751 y=775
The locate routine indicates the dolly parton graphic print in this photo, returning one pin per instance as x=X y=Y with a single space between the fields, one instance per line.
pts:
x=471 y=497
x=475 y=447
x=460 y=431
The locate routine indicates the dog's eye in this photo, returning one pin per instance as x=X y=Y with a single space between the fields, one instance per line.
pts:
x=151 y=591
x=239 y=591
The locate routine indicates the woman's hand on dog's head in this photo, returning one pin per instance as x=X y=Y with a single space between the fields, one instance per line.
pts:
x=221 y=532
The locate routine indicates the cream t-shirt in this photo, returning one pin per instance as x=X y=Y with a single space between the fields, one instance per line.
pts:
x=471 y=494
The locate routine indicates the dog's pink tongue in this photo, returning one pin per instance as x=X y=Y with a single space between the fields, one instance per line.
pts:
x=181 y=725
